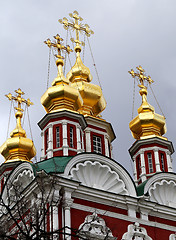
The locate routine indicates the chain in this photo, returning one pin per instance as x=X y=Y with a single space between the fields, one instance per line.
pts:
x=157 y=101
x=24 y=115
x=94 y=63
x=84 y=46
x=133 y=99
x=30 y=130
x=65 y=61
x=49 y=63
x=9 y=118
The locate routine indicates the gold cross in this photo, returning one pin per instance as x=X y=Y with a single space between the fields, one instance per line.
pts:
x=141 y=76
x=57 y=44
x=78 y=27
x=18 y=98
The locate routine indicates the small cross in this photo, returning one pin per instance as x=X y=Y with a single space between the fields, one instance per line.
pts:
x=18 y=98
x=78 y=27
x=57 y=44
x=141 y=76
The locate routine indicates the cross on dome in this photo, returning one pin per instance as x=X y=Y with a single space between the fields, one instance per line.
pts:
x=141 y=76
x=18 y=98
x=57 y=44
x=78 y=27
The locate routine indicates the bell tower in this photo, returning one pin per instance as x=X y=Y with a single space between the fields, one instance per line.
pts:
x=151 y=152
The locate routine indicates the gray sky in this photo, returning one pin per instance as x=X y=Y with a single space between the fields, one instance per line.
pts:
x=127 y=33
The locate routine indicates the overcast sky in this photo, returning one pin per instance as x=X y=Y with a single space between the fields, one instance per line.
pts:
x=127 y=33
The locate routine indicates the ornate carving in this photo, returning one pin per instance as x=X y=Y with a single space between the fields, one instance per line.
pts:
x=95 y=227
x=135 y=232
x=96 y=175
x=163 y=192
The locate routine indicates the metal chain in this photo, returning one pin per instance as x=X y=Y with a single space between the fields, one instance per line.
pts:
x=49 y=63
x=84 y=46
x=133 y=99
x=94 y=63
x=9 y=118
x=65 y=61
x=157 y=101
x=24 y=115
x=31 y=131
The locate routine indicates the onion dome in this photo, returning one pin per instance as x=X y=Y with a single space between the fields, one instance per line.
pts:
x=61 y=95
x=148 y=123
x=80 y=77
x=18 y=147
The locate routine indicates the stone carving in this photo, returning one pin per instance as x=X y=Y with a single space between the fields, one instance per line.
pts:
x=95 y=227
x=97 y=175
x=163 y=192
x=135 y=232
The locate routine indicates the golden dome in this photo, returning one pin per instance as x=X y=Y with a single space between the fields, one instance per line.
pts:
x=92 y=96
x=61 y=95
x=148 y=123
x=18 y=147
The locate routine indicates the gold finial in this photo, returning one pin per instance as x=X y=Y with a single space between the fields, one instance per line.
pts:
x=78 y=27
x=141 y=76
x=18 y=98
x=57 y=44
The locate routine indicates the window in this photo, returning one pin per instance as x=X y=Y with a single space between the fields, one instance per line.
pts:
x=138 y=165
x=46 y=140
x=71 y=137
x=162 y=162
x=97 y=146
x=150 y=163
x=57 y=137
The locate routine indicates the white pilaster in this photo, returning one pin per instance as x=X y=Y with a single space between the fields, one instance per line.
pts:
x=157 y=162
x=65 y=140
x=106 y=140
x=50 y=141
x=78 y=136
x=143 y=168
x=88 y=141
x=43 y=146
x=169 y=162
x=82 y=133
x=67 y=202
x=135 y=170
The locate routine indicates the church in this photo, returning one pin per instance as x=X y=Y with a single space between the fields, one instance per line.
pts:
x=77 y=190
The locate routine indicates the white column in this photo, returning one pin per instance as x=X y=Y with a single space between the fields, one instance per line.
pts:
x=106 y=145
x=78 y=136
x=143 y=169
x=169 y=161
x=157 y=162
x=65 y=140
x=43 y=146
x=50 y=141
x=88 y=141
x=67 y=202
x=135 y=170
x=83 y=150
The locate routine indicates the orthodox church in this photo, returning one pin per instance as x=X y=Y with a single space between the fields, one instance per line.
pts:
x=86 y=194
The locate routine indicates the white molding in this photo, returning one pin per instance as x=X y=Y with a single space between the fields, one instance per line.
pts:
x=114 y=166
x=97 y=175
x=172 y=236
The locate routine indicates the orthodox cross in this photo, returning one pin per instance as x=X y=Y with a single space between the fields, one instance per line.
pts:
x=141 y=76
x=78 y=27
x=18 y=98
x=57 y=44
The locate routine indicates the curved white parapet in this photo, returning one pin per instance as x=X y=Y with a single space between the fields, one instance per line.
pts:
x=95 y=227
x=135 y=232
x=163 y=192
x=98 y=171
x=97 y=175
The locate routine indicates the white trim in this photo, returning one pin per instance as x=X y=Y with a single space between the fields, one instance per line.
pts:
x=122 y=217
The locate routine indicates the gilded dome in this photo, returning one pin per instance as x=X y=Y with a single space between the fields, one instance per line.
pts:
x=79 y=76
x=147 y=123
x=61 y=95
x=18 y=147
